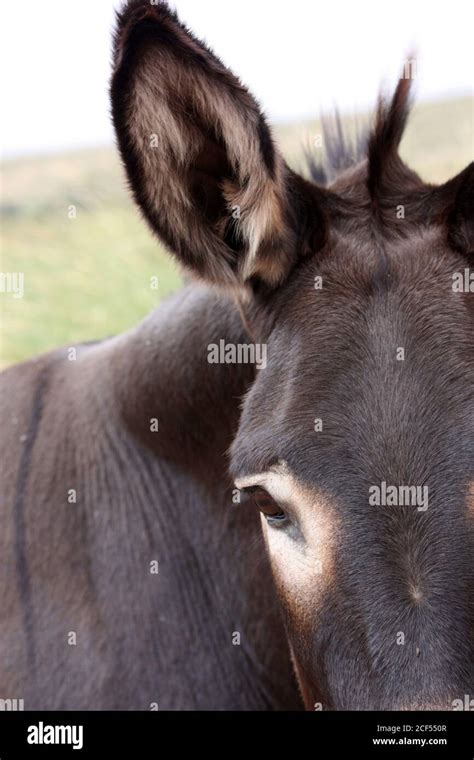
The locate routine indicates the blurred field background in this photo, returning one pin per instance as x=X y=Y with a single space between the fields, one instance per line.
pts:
x=90 y=276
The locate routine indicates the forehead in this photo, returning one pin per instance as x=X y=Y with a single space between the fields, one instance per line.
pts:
x=367 y=373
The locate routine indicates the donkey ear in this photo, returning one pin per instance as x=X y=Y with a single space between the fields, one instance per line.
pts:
x=199 y=155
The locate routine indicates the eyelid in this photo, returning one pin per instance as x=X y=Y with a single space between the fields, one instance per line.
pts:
x=247 y=491
x=277 y=481
x=244 y=484
x=273 y=480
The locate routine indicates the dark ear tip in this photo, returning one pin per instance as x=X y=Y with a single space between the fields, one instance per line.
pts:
x=135 y=10
x=135 y=13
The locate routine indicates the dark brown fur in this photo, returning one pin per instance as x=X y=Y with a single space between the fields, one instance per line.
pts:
x=167 y=496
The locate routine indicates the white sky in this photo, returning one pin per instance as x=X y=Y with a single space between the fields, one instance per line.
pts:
x=297 y=56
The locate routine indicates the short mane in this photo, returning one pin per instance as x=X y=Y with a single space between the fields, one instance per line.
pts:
x=378 y=144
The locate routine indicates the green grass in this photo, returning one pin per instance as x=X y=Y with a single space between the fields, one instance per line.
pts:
x=85 y=278
x=90 y=276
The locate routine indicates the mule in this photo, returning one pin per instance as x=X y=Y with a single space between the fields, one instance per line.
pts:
x=187 y=533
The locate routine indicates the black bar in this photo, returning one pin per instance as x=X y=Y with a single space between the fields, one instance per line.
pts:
x=161 y=734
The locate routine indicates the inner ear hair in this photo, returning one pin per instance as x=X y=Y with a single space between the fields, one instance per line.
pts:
x=212 y=185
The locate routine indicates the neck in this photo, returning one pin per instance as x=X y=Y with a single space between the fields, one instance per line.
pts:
x=172 y=399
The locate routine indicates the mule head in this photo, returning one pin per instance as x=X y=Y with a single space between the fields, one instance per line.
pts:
x=356 y=439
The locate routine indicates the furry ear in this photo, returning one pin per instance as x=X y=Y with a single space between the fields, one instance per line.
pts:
x=199 y=155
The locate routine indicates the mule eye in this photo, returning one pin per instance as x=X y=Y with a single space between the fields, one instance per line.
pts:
x=266 y=504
